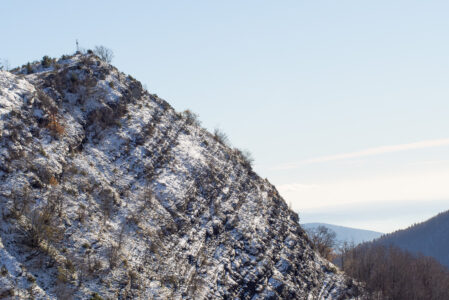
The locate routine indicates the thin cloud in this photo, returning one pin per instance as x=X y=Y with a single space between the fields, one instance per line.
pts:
x=368 y=152
x=431 y=162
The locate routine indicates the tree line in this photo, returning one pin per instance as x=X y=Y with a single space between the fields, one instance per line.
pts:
x=389 y=273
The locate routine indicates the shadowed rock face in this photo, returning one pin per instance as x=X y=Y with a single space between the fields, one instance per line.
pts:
x=105 y=189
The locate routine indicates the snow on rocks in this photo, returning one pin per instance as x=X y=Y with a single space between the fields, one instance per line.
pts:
x=106 y=190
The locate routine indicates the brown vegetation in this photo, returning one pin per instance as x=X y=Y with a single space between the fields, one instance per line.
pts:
x=391 y=273
x=54 y=125
x=322 y=240
x=53 y=181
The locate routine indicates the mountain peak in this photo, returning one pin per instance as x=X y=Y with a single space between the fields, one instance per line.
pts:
x=106 y=191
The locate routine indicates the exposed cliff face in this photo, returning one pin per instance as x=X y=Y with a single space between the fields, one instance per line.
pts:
x=105 y=189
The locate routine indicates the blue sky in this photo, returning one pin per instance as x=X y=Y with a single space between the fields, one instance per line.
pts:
x=303 y=85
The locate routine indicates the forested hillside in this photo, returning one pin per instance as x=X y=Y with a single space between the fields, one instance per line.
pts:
x=430 y=238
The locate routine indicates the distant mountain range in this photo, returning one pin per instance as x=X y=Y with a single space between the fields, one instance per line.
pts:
x=347 y=234
x=431 y=238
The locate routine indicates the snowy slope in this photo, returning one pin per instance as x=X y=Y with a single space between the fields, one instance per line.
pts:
x=106 y=191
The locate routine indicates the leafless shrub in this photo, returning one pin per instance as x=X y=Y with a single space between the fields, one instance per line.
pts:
x=115 y=249
x=47 y=103
x=4 y=64
x=191 y=117
x=42 y=227
x=107 y=115
x=96 y=265
x=20 y=202
x=87 y=60
x=113 y=256
x=86 y=185
x=43 y=171
x=90 y=264
x=147 y=202
x=221 y=137
x=147 y=199
x=64 y=290
x=108 y=199
x=65 y=276
x=81 y=213
x=134 y=279
x=55 y=202
x=104 y=53
x=323 y=241
x=44 y=223
x=195 y=284
x=246 y=158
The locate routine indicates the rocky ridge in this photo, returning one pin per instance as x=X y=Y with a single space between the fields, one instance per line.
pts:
x=106 y=192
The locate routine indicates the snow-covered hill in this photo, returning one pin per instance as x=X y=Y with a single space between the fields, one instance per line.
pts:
x=106 y=192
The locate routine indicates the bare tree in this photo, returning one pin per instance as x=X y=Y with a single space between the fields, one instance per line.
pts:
x=342 y=252
x=392 y=273
x=221 y=137
x=323 y=240
x=4 y=64
x=21 y=201
x=104 y=53
x=191 y=118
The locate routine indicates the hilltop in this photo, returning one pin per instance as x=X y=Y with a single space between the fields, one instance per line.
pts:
x=107 y=192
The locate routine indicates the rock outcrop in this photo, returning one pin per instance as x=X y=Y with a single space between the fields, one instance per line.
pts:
x=106 y=192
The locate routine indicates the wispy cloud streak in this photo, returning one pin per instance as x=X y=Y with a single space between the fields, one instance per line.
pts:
x=368 y=152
